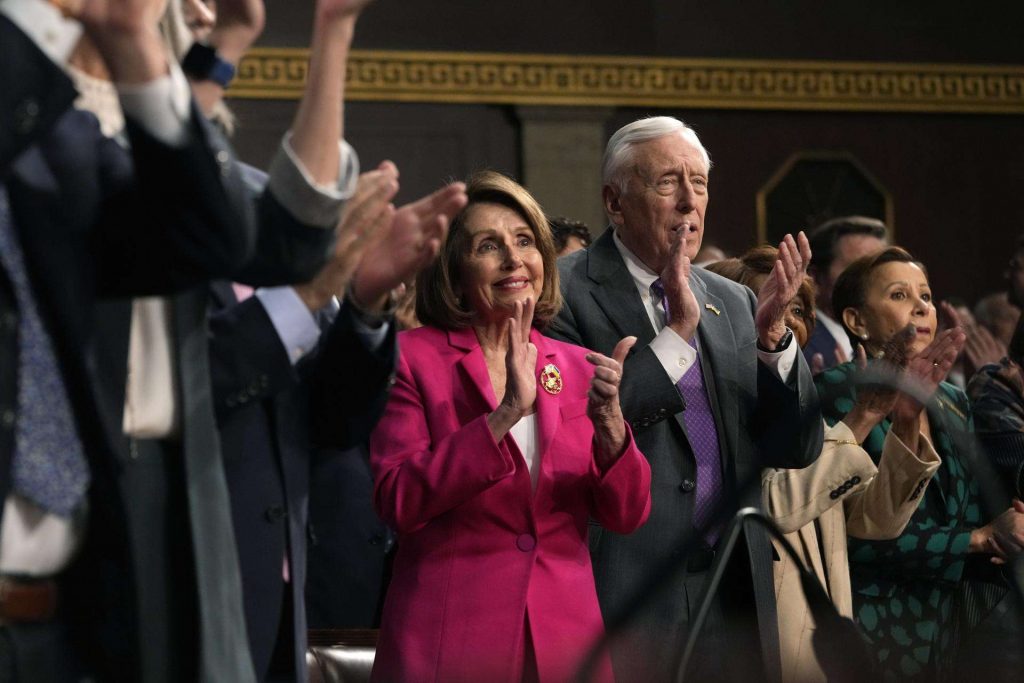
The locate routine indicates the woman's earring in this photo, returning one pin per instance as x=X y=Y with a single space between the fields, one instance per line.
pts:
x=864 y=336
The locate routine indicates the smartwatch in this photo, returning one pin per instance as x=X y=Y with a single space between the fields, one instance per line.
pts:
x=204 y=64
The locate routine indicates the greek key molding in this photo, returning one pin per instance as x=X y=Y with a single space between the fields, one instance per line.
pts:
x=280 y=73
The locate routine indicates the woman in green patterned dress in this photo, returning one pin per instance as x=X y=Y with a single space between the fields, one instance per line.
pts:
x=904 y=589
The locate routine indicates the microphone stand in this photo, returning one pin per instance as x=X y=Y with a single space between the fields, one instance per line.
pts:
x=832 y=628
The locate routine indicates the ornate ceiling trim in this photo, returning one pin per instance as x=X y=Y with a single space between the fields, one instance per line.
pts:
x=526 y=79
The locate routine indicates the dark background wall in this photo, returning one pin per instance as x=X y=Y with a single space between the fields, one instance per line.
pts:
x=955 y=179
x=869 y=30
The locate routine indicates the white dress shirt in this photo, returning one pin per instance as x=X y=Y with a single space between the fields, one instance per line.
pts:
x=524 y=432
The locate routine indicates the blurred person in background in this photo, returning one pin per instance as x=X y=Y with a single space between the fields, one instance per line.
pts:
x=569 y=235
x=835 y=244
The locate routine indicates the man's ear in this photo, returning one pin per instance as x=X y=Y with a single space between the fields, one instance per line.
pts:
x=612 y=204
x=854 y=321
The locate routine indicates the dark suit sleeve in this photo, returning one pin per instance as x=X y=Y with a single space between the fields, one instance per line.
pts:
x=787 y=422
x=350 y=383
x=248 y=362
x=647 y=394
x=34 y=93
x=175 y=217
x=287 y=250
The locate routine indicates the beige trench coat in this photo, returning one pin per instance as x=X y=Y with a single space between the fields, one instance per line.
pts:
x=841 y=493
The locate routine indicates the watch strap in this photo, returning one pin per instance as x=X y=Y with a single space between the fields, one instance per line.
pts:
x=202 y=63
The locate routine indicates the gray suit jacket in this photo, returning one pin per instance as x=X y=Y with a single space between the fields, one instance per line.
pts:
x=761 y=422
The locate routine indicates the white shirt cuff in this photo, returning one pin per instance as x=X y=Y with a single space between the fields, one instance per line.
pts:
x=44 y=25
x=295 y=325
x=674 y=352
x=299 y=193
x=161 y=106
x=781 y=363
x=372 y=337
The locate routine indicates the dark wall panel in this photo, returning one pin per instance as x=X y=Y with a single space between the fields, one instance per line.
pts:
x=430 y=143
x=907 y=30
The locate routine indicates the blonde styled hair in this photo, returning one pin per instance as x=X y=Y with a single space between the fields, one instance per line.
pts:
x=437 y=288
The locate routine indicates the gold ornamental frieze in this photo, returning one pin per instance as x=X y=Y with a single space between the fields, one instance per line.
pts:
x=526 y=79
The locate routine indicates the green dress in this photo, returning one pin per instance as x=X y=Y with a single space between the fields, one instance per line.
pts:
x=904 y=589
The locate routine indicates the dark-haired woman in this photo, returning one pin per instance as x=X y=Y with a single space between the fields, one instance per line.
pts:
x=904 y=589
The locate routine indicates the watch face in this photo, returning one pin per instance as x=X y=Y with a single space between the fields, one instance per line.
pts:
x=812 y=187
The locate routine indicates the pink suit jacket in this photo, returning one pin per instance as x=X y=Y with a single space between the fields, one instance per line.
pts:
x=480 y=559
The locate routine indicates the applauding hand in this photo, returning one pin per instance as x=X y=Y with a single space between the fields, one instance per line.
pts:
x=520 y=371
x=603 y=407
x=364 y=221
x=779 y=289
x=926 y=370
x=411 y=242
x=683 y=313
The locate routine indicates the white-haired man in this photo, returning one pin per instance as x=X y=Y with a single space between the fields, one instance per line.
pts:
x=714 y=390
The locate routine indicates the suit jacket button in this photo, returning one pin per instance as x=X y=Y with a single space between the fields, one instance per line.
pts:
x=855 y=480
x=687 y=485
x=526 y=542
x=224 y=159
x=834 y=494
x=274 y=513
x=25 y=116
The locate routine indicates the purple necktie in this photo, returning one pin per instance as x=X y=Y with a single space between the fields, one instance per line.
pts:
x=702 y=434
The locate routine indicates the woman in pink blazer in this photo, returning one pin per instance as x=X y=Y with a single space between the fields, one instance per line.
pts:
x=496 y=448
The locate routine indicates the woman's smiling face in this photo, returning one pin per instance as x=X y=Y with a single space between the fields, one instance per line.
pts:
x=503 y=265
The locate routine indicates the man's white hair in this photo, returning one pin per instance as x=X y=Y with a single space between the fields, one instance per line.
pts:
x=619 y=152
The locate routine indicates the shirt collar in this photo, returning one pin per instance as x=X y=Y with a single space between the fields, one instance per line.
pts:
x=642 y=275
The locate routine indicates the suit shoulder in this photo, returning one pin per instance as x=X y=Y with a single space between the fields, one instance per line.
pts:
x=574 y=266
x=421 y=339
